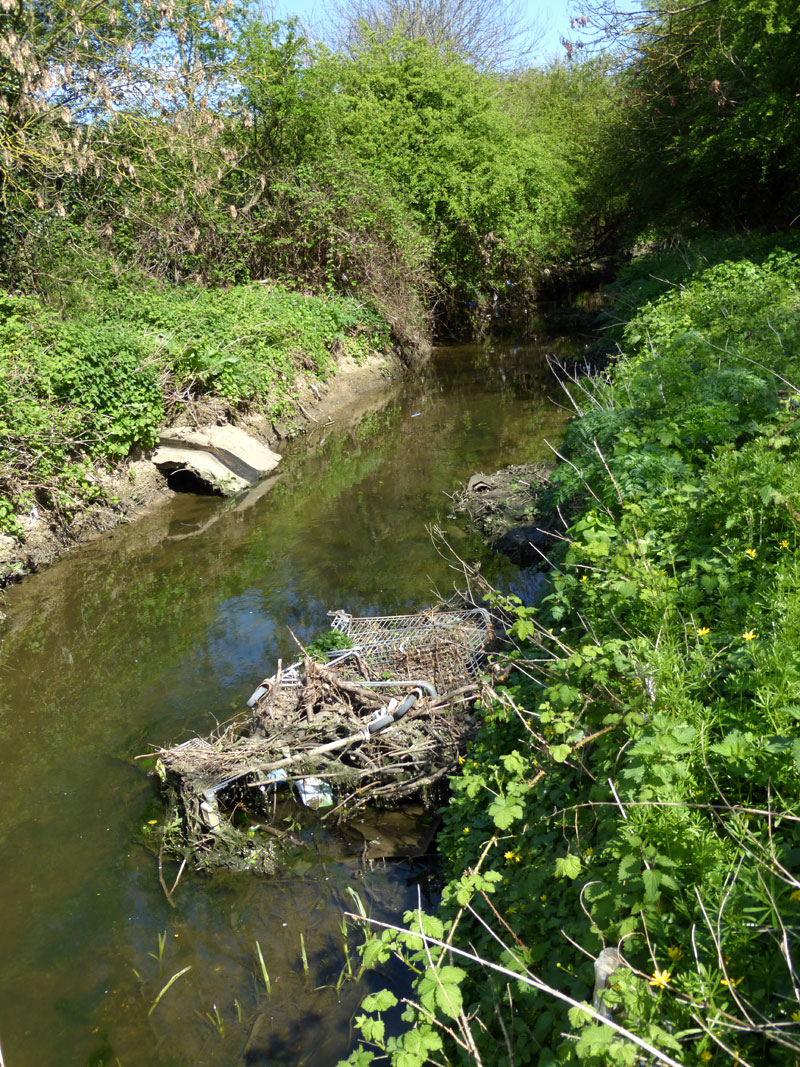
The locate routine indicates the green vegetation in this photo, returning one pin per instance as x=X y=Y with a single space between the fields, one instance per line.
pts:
x=395 y=169
x=635 y=783
x=374 y=195
x=84 y=390
x=707 y=128
x=261 y=203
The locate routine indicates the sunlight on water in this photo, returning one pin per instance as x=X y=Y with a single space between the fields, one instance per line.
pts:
x=156 y=632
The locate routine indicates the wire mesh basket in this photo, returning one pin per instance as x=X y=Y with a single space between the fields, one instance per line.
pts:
x=441 y=646
x=381 y=639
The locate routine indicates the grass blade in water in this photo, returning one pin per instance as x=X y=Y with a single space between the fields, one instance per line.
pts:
x=264 y=972
x=170 y=983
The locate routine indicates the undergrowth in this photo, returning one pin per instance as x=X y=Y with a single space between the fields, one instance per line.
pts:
x=80 y=389
x=634 y=785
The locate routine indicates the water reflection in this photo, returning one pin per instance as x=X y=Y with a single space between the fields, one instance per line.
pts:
x=157 y=631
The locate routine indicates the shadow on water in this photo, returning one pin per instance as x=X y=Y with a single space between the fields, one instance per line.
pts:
x=156 y=632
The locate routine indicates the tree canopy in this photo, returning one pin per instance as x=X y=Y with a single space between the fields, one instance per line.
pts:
x=710 y=105
x=491 y=34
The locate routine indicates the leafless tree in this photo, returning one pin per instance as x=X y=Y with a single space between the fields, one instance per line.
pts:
x=492 y=34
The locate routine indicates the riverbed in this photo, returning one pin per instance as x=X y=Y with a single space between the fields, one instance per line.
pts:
x=157 y=631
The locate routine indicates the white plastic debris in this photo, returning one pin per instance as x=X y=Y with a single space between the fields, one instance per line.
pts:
x=314 y=793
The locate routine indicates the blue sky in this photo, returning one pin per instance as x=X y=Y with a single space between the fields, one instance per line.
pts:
x=551 y=16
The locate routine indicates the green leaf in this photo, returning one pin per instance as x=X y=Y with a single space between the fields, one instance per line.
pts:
x=504 y=811
x=629 y=867
x=361 y=1057
x=441 y=990
x=514 y=763
x=380 y=1001
x=568 y=866
x=578 y=1016
x=652 y=880
x=375 y=951
x=373 y=1030
x=594 y=1040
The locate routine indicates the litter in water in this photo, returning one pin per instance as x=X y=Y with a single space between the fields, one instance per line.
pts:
x=382 y=721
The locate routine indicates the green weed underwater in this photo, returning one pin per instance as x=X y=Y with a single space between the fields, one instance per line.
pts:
x=634 y=786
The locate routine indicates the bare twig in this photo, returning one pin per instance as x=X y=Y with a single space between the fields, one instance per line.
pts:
x=536 y=983
x=167 y=893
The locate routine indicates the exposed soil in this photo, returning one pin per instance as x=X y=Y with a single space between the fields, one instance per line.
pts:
x=503 y=508
x=136 y=486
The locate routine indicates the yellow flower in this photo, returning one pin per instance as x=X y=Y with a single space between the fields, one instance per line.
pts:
x=460 y=759
x=508 y=855
x=585 y=578
x=731 y=983
x=702 y=631
x=660 y=979
x=543 y=897
x=705 y=1056
x=152 y=822
x=751 y=552
x=675 y=952
x=466 y=829
x=748 y=635
x=783 y=544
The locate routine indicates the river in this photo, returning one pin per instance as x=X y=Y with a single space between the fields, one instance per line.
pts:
x=159 y=630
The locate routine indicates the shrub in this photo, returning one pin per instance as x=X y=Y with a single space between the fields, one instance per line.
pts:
x=635 y=783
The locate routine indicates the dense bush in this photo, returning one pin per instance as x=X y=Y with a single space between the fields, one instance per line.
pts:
x=396 y=170
x=706 y=130
x=635 y=784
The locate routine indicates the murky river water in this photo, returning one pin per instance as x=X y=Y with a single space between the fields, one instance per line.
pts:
x=153 y=633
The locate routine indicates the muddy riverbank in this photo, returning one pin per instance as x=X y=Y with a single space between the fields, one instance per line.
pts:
x=136 y=486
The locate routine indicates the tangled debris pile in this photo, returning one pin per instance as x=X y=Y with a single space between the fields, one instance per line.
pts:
x=383 y=720
x=504 y=509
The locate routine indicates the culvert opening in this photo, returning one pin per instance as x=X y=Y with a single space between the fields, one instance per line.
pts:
x=184 y=480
